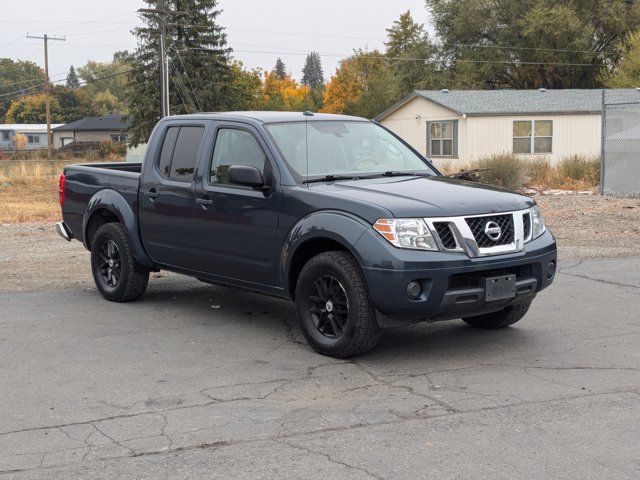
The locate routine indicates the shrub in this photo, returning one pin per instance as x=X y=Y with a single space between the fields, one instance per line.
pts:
x=503 y=170
x=108 y=149
x=579 y=170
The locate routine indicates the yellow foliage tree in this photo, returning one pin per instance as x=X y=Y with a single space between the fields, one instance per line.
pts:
x=283 y=94
x=20 y=140
x=31 y=109
x=363 y=85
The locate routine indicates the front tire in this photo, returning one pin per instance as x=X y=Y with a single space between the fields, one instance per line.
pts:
x=335 y=313
x=118 y=277
x=501 y=319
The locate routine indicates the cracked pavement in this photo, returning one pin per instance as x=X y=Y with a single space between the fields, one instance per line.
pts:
x=195 y=381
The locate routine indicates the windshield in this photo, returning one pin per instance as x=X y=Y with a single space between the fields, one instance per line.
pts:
x=343 y=148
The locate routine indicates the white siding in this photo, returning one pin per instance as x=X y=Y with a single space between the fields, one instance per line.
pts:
x=484 y=135
x=410 y=122
x=572 y=134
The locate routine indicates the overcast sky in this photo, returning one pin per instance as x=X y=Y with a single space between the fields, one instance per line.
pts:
x=258 y=31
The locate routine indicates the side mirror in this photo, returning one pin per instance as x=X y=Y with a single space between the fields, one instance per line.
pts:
x=245 y=175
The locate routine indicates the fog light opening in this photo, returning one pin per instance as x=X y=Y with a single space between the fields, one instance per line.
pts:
x=551 y=269
x=414 y=290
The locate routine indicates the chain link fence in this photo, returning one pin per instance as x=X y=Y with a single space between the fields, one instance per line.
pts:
x=620 y=174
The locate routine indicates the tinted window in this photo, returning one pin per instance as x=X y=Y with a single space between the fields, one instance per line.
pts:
x=183 y=163
x=164 y=165
x=234 y=147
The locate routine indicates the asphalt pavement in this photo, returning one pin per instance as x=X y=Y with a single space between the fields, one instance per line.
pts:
x=195 y=381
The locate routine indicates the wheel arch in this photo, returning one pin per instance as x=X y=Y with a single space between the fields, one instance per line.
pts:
x=316 y=233
x=108 y=206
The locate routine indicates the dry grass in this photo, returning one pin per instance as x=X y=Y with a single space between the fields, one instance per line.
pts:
x=575 y=172
x=29 y=190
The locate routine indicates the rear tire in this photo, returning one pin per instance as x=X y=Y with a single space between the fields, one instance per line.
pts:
x=501 y=319
x=335 y=313
x=118 y=277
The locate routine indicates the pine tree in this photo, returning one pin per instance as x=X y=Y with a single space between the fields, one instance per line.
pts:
x=406 y=42
x=72 y=78
x=280 y=69
x=200 y=76
x=312 y=74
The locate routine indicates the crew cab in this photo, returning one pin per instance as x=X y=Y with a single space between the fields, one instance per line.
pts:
x=335 y=213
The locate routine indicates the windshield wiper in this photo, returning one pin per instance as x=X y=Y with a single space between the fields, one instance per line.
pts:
x=330 y=178
x=397 y=173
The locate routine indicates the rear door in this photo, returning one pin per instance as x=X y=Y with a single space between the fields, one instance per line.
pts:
x=237 y=225
x=167 y=195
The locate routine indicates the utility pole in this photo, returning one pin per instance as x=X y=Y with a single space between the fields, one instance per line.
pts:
x=161 y=15
x=46 y=39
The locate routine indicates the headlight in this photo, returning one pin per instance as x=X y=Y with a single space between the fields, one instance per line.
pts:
x=410 y=233
x=537 y=224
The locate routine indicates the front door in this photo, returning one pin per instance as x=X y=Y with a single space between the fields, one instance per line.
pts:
x=167 y=197
x=236 y=226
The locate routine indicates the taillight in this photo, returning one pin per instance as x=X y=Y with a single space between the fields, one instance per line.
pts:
x=61 y=188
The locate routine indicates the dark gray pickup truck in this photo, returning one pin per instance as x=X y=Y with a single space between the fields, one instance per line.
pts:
x=335 y=213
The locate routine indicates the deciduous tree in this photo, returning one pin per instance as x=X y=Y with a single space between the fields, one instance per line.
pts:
x=18 y=78
x=626 y=73
x=363 y=85
x=531 y=44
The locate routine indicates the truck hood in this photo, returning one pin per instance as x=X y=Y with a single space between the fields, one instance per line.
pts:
x=427 y=196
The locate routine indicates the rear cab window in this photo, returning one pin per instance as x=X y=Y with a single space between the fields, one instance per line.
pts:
x=179 y=154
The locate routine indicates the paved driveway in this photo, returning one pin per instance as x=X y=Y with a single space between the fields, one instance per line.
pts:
x=203 y=382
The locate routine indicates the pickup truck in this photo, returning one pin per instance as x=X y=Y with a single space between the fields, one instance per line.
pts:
x=335 y=213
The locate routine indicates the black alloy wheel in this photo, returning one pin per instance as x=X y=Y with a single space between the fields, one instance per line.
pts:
x=111 y=266
x=329 y=306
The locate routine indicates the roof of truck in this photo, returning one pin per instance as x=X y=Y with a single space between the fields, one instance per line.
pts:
x=270 y=117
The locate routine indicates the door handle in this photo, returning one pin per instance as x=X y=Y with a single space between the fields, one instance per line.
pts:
x=205 y=203
x=151 y=194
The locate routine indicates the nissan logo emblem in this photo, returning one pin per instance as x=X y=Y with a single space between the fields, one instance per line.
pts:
x=493 y=230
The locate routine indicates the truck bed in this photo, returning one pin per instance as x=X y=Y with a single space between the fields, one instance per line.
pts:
x=83 y=181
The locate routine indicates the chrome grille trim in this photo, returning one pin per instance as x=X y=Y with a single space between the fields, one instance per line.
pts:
x=465 y=240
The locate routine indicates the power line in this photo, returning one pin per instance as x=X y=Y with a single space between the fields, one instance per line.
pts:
x=414 y=59
x=189 y=80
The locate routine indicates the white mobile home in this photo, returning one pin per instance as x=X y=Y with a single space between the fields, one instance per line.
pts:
x=459 y=126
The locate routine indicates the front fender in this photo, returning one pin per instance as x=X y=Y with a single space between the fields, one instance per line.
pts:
x=114 y=202
x=339 y=226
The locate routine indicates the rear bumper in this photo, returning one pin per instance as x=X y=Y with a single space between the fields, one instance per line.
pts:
x=64 y=231
x=452 y=284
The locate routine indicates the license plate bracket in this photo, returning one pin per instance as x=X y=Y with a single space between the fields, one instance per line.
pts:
x=501 y=287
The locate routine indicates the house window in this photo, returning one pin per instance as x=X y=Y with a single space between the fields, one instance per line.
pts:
x=442 y=139
x=122 y=137
x=6 y=136
x=33 y=139
x=532 y=136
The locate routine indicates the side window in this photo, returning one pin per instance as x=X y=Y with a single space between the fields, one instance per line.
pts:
x=183 y=164
x=234 y=147
x=164 y=164
x=178 y=157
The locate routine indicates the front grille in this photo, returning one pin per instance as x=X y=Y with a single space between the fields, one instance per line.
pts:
x=526 y=222
x=478 y=225
x=446 y=236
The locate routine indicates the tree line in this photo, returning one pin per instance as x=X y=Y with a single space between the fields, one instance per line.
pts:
x=476 y=45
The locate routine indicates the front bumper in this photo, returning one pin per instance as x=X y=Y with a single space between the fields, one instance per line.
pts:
x=451 y=282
